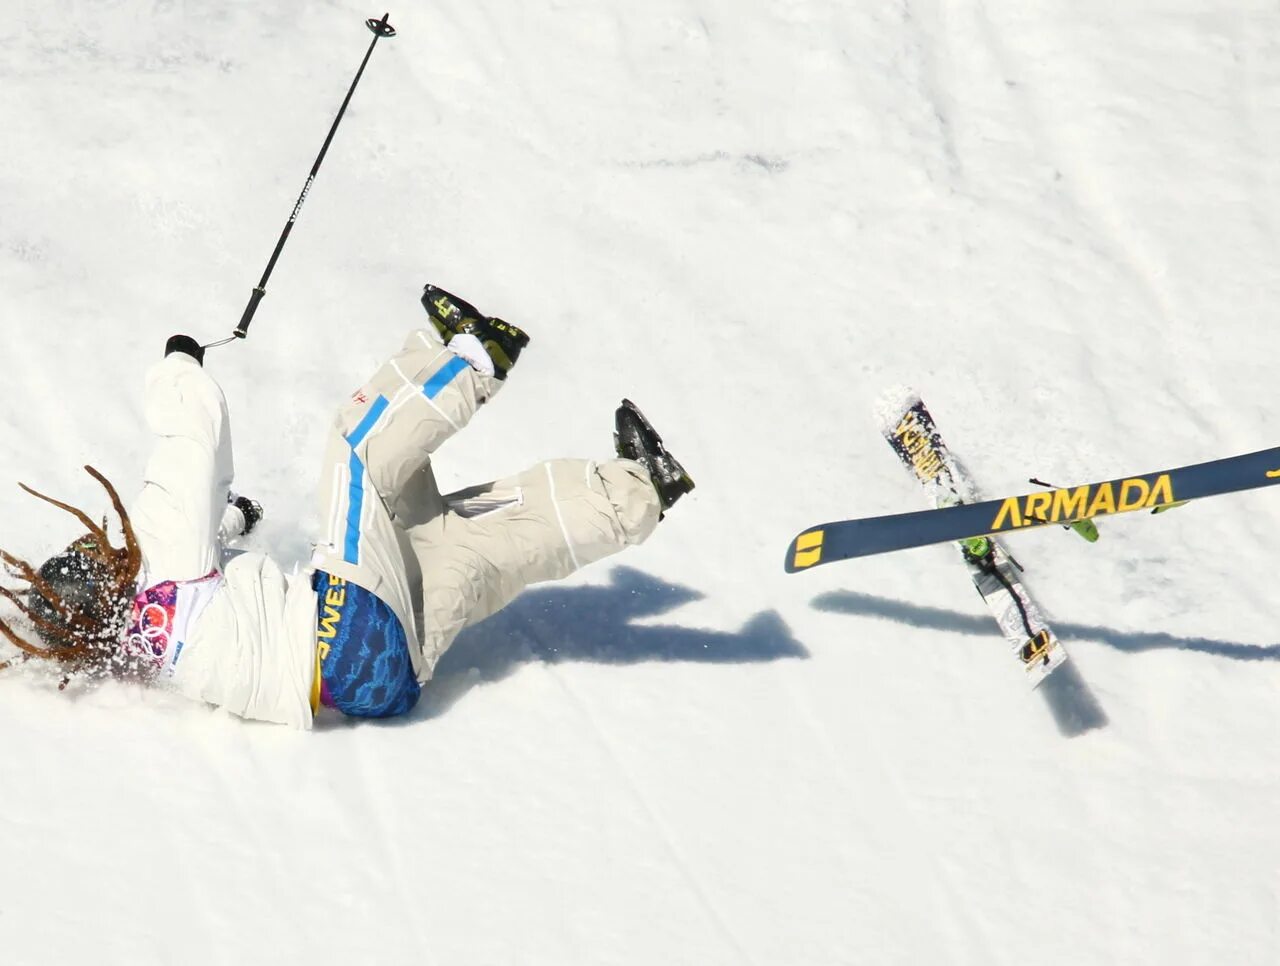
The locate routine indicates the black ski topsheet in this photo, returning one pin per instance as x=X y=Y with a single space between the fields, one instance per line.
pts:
x=843 y=539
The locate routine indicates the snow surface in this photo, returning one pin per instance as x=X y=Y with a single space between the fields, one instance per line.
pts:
x=1056 y=219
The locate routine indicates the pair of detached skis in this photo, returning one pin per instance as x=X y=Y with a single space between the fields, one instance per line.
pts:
x=958 y=515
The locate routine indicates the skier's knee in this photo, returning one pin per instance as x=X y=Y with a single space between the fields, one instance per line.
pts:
x=634 y=499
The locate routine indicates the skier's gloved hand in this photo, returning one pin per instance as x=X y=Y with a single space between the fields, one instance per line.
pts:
x=252 y=511
x=240 y=517
x=186 y=345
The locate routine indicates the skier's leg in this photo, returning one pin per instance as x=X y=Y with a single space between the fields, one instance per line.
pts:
x=543 y=524
x=377 y=479
x=414 y=402
x=376 y=470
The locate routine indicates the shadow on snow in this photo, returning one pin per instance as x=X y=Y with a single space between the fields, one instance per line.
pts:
x=935 y=618
x=1074 y=706
x=554 y=624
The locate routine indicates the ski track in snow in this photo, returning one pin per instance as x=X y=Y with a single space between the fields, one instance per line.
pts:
x=1057 y=222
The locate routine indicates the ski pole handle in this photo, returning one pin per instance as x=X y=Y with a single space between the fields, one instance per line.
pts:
x=242 y=330
x=381 y=27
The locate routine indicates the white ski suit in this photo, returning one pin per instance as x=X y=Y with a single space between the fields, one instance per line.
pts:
x=244 y=636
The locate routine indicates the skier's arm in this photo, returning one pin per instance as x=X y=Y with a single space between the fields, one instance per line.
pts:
x=188 y=475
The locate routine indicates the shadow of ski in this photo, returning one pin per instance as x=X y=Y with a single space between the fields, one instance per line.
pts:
x=935 y=618
x=1074 y=707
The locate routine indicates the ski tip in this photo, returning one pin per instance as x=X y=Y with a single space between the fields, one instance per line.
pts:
x=893 y=402
x=805 y=551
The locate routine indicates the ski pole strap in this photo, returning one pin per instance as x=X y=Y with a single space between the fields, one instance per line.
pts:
x=981 y=552
x=1017 y=600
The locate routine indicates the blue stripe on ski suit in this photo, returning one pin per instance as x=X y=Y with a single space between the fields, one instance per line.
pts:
x=355 y=495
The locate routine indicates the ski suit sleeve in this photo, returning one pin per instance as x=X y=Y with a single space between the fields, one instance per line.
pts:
x=189 y=472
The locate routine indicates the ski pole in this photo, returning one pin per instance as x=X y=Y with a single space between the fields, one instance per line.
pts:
x=380 y=28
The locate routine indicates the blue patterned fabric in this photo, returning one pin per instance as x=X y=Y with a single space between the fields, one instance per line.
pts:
x=365 y=669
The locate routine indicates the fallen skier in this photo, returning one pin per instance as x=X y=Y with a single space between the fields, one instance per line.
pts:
x=398 y=572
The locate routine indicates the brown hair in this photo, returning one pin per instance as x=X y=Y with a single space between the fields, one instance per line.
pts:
x=89 y=640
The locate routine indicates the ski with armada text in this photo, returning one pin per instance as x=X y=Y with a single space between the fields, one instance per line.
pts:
x=843 y=539
x=910 y=431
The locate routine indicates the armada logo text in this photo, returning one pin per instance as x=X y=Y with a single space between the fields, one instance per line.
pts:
x=914 y=440
x=1082 y=502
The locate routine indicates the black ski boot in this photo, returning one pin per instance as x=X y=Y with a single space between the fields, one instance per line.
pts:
x=636 y=440
x=451 y=316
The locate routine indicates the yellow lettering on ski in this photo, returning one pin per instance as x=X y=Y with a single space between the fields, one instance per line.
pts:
x=1161 y=492
x=1037 y=508
x=1133 y=495
x=1008 y=511
x=925 y=462
x=1069 y=504
x=1104 y=502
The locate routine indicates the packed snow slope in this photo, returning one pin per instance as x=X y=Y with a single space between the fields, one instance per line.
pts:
x=1057 y=220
